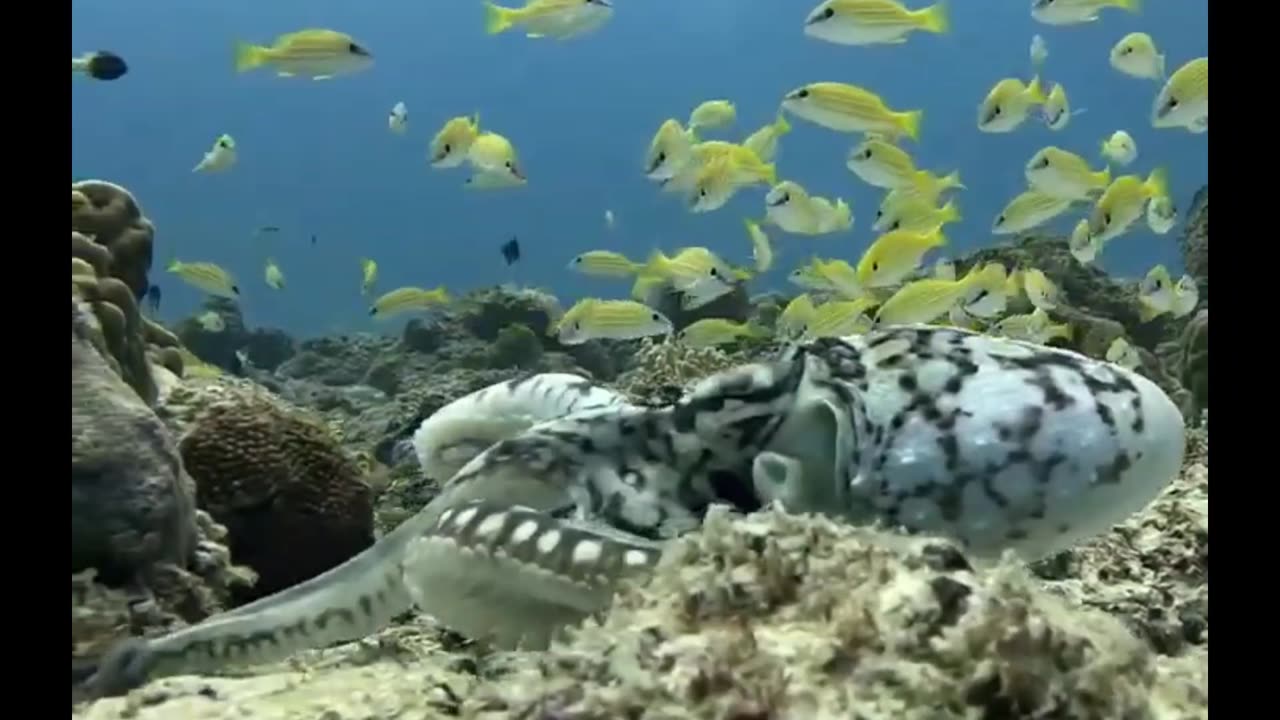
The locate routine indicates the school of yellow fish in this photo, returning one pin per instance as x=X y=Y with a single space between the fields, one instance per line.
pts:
x=888 y=282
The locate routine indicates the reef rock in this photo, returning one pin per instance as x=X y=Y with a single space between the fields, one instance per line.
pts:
x=132 y=504
x=1195 y=242
x=109 y=215
x=764 y=616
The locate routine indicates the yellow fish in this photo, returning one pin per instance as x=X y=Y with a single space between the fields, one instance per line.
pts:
x=1063 y=174
x=882 y=164
x=316 y=53
x=1028 y=210
x=670 y=150
x=1135 y=55
x=557 y=19
x=493 y=153
x=211 y=321
x=761 y=248
x=208 y=277
x=692 y=268
x=273 y=276
x=1123 y=354
x=895 y=255
x=839 y=318
x=450 y=146
x=916 y=215
x=712 y=114
x=1008 y=104
x=407 y=299
x=1072 y=12
x=1123 y=203
x=1120 y=148
x=1183 y=102
x=605 y=263
x=721 y=178
x=709 y=332
x=1083 y=246
x=849 y=108
x=220 y=158
x=1040 y=290
x=840 y=276
x=924 y=301
x=595 y=319
x=873 y=22
x=795 y=317
x=1056 y=111
x=368 y=275
x=764 y=142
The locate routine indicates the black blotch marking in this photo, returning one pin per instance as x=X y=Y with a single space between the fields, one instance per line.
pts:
x=1110 y=475
x=366 y=605
x=951 y=449
x=952 y=596
x=954 y=385
x=1030 y=422
x=907 y=382
x=945 y=558
x=731 y=488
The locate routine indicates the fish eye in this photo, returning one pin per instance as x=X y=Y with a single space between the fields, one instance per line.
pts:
x=1106 y=219
x=1044 y=162
x=896 y=224
x=447 y=149
x=662 y=157
x=802 y=93
x=715 y=273
x=828 y=13
x=655 y=317
x=355 y=49
x=1173 y=103
x=1000 y=220
x=875 y=267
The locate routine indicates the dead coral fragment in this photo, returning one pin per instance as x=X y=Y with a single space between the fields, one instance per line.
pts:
x=778 y=615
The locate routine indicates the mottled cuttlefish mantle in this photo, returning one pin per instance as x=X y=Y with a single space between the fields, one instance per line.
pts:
x=997 y=443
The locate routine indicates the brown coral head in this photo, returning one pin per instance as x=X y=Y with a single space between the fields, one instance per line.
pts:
x=117 y=293
x=84 y=248
x=108 y=209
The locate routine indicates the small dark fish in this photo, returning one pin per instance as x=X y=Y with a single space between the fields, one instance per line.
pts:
x=153 y=298
x=268 y=229
x=313 y=239
x=104 y=65
x=511 y=250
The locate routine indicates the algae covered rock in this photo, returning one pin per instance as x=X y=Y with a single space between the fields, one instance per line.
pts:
x=132 y=504
x=777 y=615
x=516 y=347
x=485 y=313
x=1195 y=242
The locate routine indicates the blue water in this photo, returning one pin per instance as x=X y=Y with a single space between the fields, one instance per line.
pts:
x=317 y=157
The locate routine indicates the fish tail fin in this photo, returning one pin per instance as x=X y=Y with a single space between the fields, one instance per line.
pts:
x=81 y=64
x=936 y=18
x=951 y=212
x=1158 y=182
x=496 y=18
x=952 y=180
x=1035 y=91
x=174 y=265
x=770 y=173
x=655 y=264
x=780 y=125
x=911 y=121
x=249 y=56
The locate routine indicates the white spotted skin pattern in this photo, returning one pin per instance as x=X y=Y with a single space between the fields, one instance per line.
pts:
x=459 y=431
x=1005 y=444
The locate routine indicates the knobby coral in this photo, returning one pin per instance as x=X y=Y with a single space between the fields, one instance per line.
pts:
x=279 y=481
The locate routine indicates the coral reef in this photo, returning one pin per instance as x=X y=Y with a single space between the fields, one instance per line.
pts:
x=129 y=342
x=131 y=502
x=1152 y=571
x=1092 y=293
x=484 y=313
x=662 y=371
x=278 y=481
x=769 y=615
x=110 y=216
x=1195 y=242
x=265 y=348
x=516 y=347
